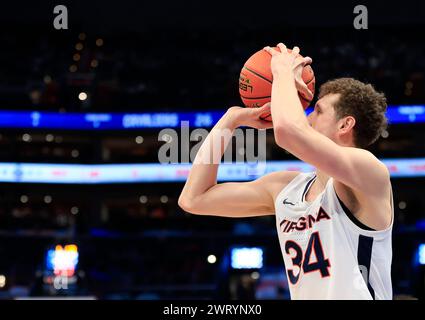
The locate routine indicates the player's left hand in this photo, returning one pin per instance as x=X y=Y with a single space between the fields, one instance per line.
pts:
x=290 y=62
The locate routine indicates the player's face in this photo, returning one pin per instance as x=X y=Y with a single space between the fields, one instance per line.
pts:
x=323 y=118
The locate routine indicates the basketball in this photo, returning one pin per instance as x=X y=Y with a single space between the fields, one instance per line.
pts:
x=255 y=81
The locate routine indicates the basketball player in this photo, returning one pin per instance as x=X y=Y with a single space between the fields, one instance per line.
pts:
x=334 y=224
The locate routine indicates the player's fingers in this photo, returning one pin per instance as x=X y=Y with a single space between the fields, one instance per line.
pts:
x=282 y=47
x=270 y=50
x=295 y=51
x=305 y=91
x=308 y=60
x=261 y=110
x=265 y=106
x=300 y=61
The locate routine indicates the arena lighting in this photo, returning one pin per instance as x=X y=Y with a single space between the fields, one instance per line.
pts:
x=139 y=139
x=155 y=172
x=134 y=121
x=246 y=258
x=82 y=96
x=94 y=63
x=212 y=259
x=50 y=137
x=421 y=254
x=26 y=137
x=79 y=46
x=63 y=261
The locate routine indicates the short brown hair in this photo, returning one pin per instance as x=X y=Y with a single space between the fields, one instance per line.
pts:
x=361 y=101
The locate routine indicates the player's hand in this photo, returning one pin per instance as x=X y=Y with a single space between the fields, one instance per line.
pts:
x=285 y=62
x=250 y=117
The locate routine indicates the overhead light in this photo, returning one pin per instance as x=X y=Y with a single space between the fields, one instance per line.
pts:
x=75 y=153
x=26 y=137
x=255 y=275
x=385 y=134
x=47 y=79
x=212 y=259
x=47 y=199
x=94 y=63
x=82 y=96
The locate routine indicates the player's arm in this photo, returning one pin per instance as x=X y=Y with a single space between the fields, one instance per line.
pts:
x=201 y=193
x=239 y=199
x=356 y=168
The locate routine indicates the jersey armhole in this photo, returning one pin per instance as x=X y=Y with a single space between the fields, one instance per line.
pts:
x=351 y=216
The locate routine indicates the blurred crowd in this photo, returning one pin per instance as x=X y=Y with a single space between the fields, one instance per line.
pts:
x=188 y=69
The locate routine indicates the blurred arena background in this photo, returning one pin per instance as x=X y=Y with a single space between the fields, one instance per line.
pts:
x=86 y=210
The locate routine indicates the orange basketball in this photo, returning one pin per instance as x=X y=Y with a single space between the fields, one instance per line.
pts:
x=255 y=81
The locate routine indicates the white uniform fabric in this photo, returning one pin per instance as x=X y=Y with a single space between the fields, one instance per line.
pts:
x=328 y=253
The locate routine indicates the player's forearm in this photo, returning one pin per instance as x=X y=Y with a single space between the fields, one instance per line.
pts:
x=203 y=174
x=287 y=111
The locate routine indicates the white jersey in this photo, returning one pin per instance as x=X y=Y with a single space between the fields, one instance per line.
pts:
x=328 y=253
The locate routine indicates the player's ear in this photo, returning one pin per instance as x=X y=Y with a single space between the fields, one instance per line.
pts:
x=347 y=123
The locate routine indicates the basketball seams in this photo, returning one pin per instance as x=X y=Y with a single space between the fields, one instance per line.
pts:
x=258 y=74
x=309 y=81
x=251 y=98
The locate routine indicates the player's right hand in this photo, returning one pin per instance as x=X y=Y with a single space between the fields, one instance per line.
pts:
x=250 y=117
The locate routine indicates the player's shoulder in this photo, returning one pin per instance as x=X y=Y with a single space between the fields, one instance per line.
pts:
x=374 y=164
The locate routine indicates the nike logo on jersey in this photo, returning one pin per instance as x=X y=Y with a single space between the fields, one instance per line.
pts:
x=287 y=202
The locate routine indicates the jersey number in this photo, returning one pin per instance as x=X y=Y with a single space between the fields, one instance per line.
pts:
x=321 y=264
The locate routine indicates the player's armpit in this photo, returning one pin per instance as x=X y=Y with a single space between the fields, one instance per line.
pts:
x=357 y=168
